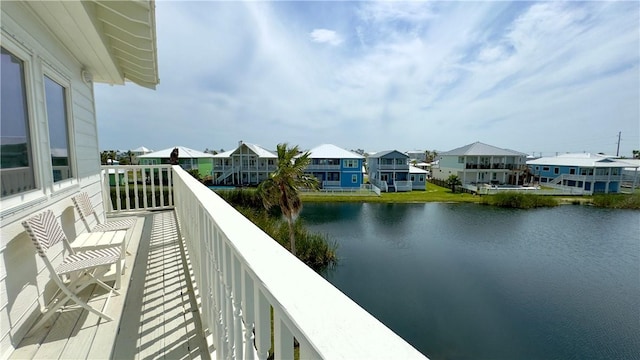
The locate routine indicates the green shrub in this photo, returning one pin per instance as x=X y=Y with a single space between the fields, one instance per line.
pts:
x=314 y=249
x=519 y=200
x=617 y=201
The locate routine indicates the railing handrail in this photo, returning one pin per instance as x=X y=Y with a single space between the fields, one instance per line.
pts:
x=244 y=271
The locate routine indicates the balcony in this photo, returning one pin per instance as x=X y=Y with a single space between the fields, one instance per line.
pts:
x=203 y=281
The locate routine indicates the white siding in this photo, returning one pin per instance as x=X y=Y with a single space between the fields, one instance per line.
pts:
x=24 y=281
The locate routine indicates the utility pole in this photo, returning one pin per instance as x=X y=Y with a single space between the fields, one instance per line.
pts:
x=618 y=150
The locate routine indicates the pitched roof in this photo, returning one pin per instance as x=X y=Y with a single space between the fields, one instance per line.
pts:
x=581 y=160
x=330 y=151
x=257 y=149
x=183 y=153
x=481 y=149
x=387 y=152
x=142 y=149
x=416 y=170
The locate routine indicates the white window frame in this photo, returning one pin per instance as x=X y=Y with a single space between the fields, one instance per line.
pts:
x=354 y=178
x=65 y=82
x=15 y=203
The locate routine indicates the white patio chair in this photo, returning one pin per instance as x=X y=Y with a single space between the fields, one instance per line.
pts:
x=77 y=270
x=85 y=209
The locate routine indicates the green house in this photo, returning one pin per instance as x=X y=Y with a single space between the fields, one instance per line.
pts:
x=187 y=158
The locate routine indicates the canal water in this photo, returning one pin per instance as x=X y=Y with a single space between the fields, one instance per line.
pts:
x=460 y=281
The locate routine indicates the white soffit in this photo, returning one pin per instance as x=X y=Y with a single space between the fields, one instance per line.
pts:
x=114 y=40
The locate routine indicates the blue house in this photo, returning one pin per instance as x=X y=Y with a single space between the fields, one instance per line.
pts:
x=389 y=171
x=335 y=167
x=590 y=173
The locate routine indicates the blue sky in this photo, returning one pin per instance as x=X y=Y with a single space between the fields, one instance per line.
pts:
x=536 y=77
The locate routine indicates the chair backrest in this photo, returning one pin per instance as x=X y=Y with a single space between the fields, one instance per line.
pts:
x=84 y=207
x=45 y=231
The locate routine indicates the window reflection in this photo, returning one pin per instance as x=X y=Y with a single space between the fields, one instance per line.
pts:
x=58 y=130
x=16 y=165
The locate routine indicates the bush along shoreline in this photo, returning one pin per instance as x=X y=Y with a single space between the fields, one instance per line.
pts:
x=617 y=201
x=316 y=250
x=515 y=200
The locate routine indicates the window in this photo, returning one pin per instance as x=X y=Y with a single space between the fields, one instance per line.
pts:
x=545 y=168
x=556 y=170
x=56 y=102
x=460 y=159
x=16 y=160
x=354 y=178
x=350 y=163
x=572 y=171
x=413 y=178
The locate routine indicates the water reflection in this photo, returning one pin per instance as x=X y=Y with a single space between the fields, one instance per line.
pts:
x=462 y=281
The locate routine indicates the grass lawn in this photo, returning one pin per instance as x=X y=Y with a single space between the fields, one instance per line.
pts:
x=434 y=193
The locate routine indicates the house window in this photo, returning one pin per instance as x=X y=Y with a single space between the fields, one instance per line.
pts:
x=421 y=178
x=413 y=178
x=350 y=163
x=572 y=171
x=16 y=160
x=460 y=159
x=545 y=168
x=56 y=102
x=556 y=170
x=354 y=178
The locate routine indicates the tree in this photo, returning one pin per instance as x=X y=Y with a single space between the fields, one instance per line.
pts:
x=453 y=181
x=106 y=155
x=636 y=154
x=430 y=156
x=282 y=186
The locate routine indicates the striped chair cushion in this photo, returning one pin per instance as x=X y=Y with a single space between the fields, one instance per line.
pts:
x=44 y=230
x=89 y=259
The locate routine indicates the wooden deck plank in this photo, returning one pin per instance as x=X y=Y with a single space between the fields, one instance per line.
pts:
x=153 y=317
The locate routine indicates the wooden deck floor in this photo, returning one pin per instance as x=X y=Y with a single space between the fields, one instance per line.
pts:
x=155 y=316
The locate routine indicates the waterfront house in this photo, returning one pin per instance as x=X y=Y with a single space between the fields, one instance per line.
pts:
x=239 y=300
x=418 y=178
x=247 y=164
x=478 y=163
x=588 y=173
x=389 y=170
x=335 y=167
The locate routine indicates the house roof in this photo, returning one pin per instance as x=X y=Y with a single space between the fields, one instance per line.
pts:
x=481 y=149
x=580 y=160
x=114 y=40
x=387 y=152
x=330 y=151
x=256 y=149
x=183 y=153
x=224 y=154
x=142 y=149
x=416 y=170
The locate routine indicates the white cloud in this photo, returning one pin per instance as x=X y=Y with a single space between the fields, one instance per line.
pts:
x=326 y=36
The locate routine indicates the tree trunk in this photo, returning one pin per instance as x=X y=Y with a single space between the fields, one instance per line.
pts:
x=292 y=238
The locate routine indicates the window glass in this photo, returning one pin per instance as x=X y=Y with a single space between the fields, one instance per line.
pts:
x=55 y=95
x=16 y=163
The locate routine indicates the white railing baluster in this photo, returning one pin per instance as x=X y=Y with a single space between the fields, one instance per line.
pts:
x=237 y=306
x=226 y=274
x=263 y=324
x=282 y=338
x=126 y=189
x=248 y=311
x=116 y=178
x=161 y=186
x=135 y=188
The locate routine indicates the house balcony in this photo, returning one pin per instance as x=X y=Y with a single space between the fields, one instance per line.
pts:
x=203 y=282
x=404 y=167
x=316 y=167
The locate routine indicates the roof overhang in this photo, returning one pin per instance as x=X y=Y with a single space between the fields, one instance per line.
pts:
x=114 y=40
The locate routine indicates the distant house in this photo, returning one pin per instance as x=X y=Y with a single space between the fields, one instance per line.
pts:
x=335 y=167
x=479 y=163
x=187 y=158
x=416 y=156
x=590 y=173
x=418 y=178
x=248 y=164
x=389 y=170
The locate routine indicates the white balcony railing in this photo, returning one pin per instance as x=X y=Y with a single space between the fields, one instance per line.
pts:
x=137 y=187
x=244 y=276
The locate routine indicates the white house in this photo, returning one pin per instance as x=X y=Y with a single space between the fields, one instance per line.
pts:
x=52 y=53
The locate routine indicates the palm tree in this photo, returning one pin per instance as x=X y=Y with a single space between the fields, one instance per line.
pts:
x=453 y=181
x=282 y=186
